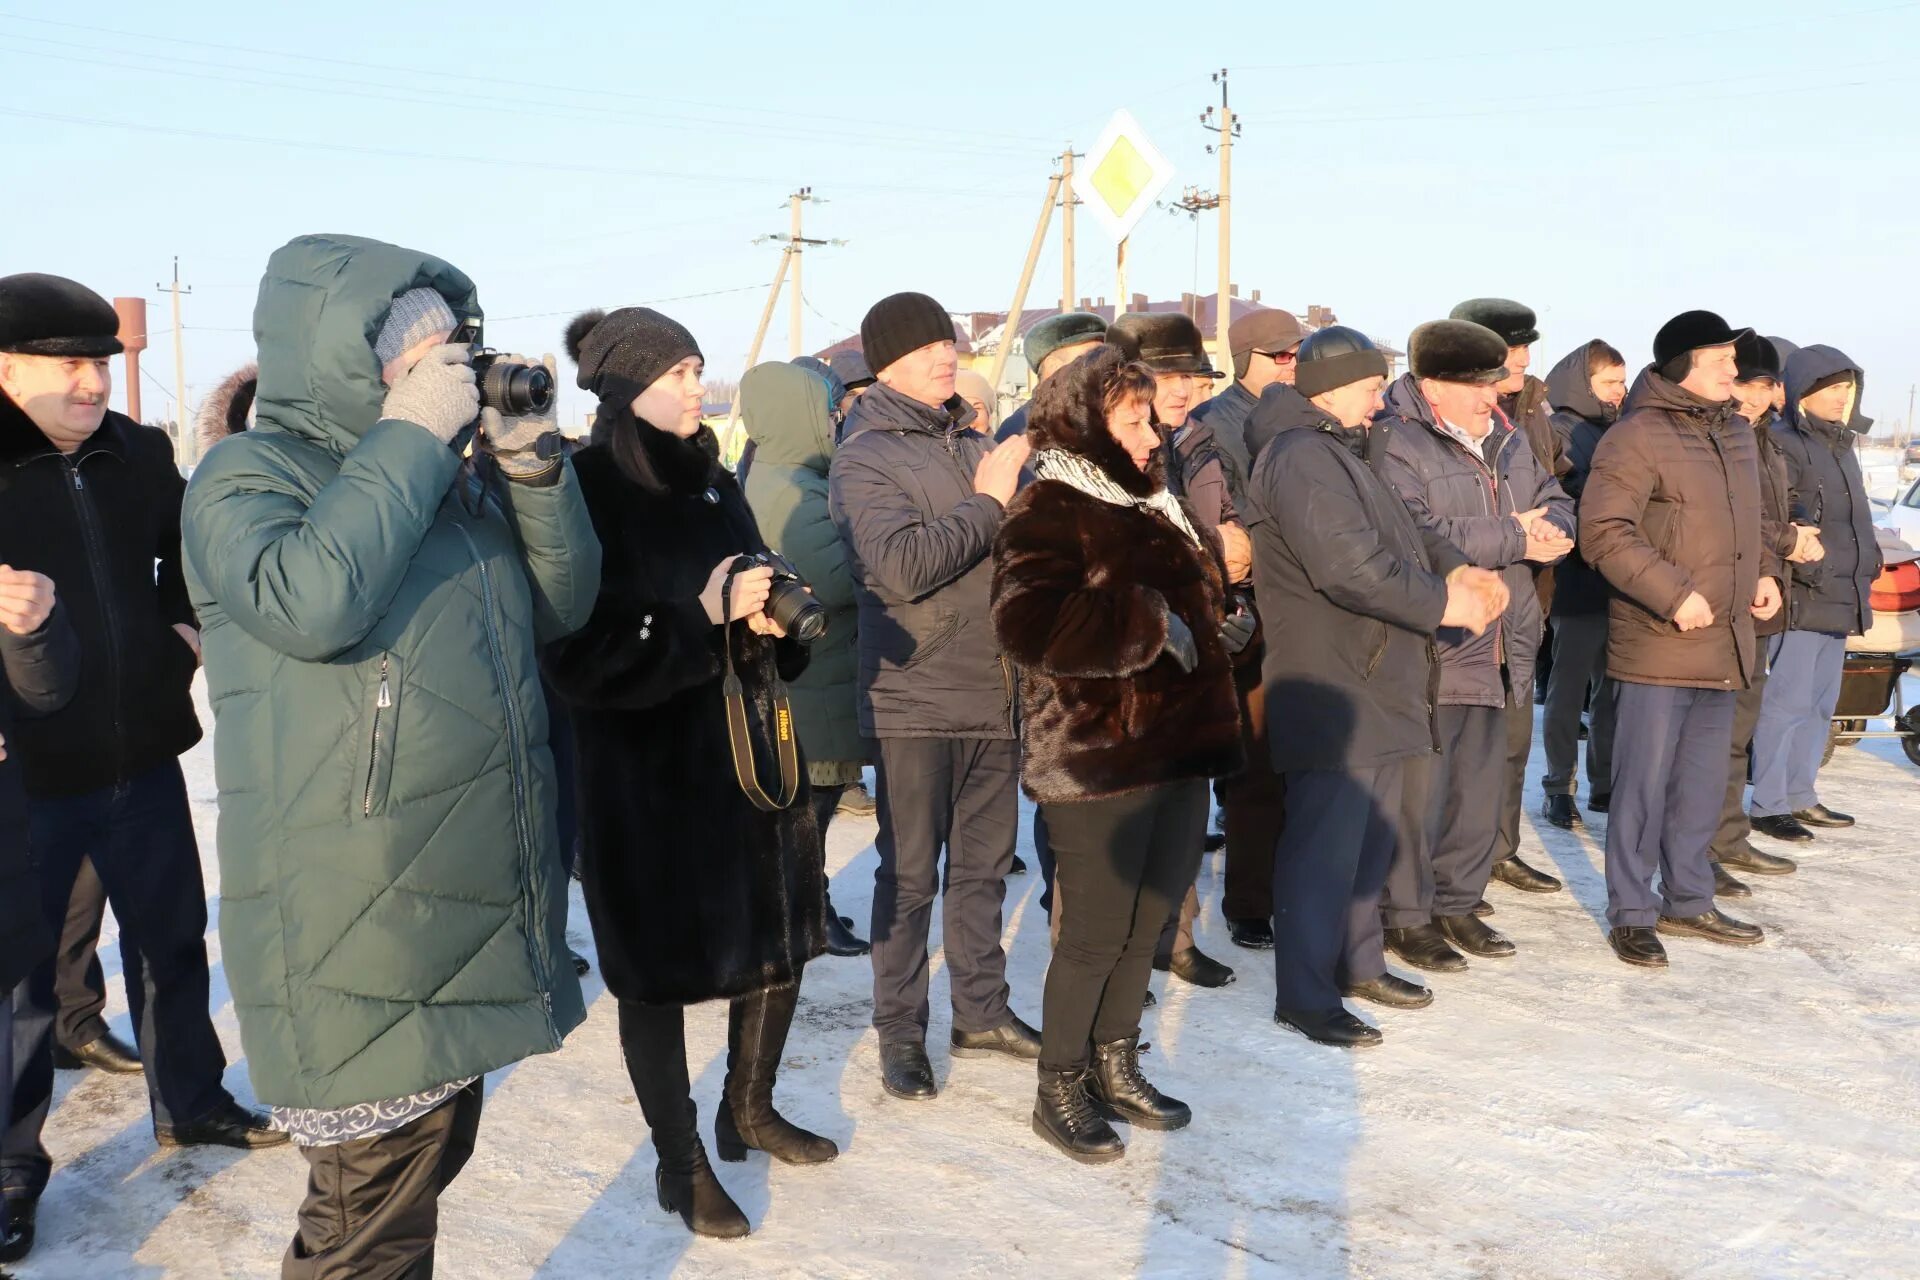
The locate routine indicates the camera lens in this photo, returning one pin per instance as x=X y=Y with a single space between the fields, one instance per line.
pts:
x=516 y=390
x=798 y=613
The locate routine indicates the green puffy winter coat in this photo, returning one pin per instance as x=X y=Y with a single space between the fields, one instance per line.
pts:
x=785 y=411
x=393 y=900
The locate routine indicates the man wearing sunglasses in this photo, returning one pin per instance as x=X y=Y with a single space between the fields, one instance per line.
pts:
x=1264 y=345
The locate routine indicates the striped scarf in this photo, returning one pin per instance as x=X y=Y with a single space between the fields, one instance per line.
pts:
x=1072 y=469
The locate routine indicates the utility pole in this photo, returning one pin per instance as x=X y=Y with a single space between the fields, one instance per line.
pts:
x=796 y=244
x=1120 y=281
x=1228 y=129
x=1068 y=298
x=183 y=431
x=1011 y=329
x=753 y=352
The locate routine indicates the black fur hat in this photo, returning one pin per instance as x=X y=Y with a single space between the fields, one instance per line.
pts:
x=1457 y=351
x=1756 y=358
x=43 y=315
x=1513 y=321
x=1164 y=341
x=1069 y=412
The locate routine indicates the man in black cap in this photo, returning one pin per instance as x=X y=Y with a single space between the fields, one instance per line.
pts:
x=1169 y=344
x=1671 y=516
x=1264 y=344
x=1468 y=475
x=1787 y=543
x=92 y=501
x=1523 y=399
x=1364 y=590
x=918 y=497
x=1051 y=345
x=1586 y=388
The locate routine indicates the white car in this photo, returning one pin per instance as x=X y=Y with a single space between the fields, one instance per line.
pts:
x=1903 y=517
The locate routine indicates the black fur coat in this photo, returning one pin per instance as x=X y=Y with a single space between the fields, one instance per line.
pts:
x=1081 y=593
x=694 y=893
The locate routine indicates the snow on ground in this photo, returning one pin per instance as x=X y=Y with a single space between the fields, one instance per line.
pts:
x=1745 y=1114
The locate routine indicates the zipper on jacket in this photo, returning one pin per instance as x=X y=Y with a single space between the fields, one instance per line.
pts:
x=1493 y=509
x=380 y=703
x=103 y=591
x=521 y=830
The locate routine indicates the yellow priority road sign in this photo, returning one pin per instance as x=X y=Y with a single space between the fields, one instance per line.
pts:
x=1122 y=175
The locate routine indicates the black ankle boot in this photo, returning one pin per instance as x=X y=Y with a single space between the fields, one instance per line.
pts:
x=757 y=1026
x=686 y=1186
x=1064 y=1115
x=841 y=939
x=1117 y=1087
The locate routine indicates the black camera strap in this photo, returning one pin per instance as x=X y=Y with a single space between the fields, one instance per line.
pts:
x=740 y=733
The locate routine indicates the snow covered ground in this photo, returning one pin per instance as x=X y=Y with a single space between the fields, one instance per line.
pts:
x=1744 y=1114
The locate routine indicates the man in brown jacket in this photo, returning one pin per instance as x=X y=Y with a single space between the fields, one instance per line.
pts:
x=1671 y=517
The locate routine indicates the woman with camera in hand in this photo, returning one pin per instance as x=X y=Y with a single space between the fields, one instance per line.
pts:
x=1112 y=602
x=697 y=889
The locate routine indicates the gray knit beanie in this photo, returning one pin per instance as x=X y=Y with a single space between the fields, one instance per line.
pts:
x=417 y=314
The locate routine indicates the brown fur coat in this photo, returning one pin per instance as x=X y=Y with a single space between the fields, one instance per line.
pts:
x=1081 y=593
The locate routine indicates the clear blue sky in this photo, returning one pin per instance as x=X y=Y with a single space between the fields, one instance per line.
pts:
x=1609 y=164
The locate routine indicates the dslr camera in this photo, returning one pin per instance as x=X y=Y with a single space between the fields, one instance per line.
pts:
x=514 y=388
x=790 y=603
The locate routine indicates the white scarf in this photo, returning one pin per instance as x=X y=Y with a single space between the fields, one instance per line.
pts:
x=1072 y=469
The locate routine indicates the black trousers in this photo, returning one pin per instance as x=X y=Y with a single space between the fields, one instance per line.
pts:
x=1123 y=864
x=1255 y=801
x=960 y=796
x=1735 y=826
x=140 y=837
x=372 y=1208
x=1465 y=812
x=1327 y=873
x=1579 y=681
x=1406 y=896
x=1513 y=778
x=79 y=984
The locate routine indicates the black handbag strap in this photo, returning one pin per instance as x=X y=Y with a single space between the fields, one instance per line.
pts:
x=740 y=733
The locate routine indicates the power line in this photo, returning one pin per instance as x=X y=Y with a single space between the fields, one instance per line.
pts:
x=414 y=72
x=1586 y=46
x=513 y=161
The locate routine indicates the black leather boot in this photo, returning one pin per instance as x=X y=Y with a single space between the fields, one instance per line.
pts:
x=653 y=1040
x=757 y=1027
x=1745 y=857
x=1637 y=944
x=1725 y=886
x=1474 y=936
x=1064 y=1115
x=18 y=1240
x=108 y=1053
x=1781 y=826
x=1195 y=966
x=1516 y=874
x=1562 y=812
x=841 y=939
x=1117 y=1088
x=1424 y=947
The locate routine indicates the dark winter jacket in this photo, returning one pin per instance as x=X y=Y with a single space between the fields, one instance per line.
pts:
x=1205 y=479
x=695 y=894
x=1014 y=424
x=1082 y=589
x=393 y=897
x=785 y=410
x=1671 y=507
x=1226 y=414
x=1830 y=595
x=1531 y=411
x=1579 y=421
x=921 y=543
x=38 y=675
x=1351 y=593
x=1777 y=519
x=104 y=523
x=1471 y=504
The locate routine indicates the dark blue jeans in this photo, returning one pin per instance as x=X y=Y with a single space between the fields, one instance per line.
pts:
x=140 y=837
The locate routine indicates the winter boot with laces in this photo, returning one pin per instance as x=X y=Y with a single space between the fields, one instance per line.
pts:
x=1064 y=1116
x=1117 y=1088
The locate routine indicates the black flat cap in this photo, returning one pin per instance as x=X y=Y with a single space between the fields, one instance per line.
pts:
x=44 y=315
x=1513 y=321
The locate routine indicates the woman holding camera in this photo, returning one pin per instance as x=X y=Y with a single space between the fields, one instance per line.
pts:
x=1112 y=601
x=696 y=891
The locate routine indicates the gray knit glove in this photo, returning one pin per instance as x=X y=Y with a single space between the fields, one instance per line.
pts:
x=438 y=393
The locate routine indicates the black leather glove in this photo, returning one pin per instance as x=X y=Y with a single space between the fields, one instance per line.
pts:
x=1179 y=643
x=1237 y=631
